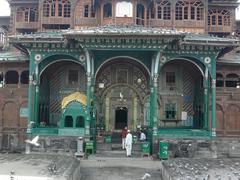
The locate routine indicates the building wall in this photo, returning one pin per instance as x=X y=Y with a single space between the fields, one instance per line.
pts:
x=12 y=98
x=86 y=14
x=228 y=103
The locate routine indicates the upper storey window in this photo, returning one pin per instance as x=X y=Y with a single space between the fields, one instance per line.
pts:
x=89 y=11
x=56 y=8
x=189 y=10
x=219 y=17
x=232 y=80
x=124 y=9
x=107 y=10
x=164 y=10
x=27 y=15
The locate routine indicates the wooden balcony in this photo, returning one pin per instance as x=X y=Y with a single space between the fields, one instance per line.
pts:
x=56 y=20
x=189 y=23
x=26 y=25
x=124 y=20
x=222 y=29
x=160 y=23
x=106 y=21
x=86 y=21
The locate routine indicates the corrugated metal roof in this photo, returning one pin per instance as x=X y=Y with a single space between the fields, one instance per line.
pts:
x=121 y=30
x=12 y=56
x=233 y=57
x=115 y=30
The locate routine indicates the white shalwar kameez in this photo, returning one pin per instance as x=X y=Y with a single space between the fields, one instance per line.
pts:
x=129 y=144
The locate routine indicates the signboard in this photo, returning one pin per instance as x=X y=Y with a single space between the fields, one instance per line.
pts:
x=23 y=112
x=184 y=115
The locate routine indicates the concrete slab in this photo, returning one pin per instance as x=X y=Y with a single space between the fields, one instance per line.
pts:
x=201 y=169
x=38 y=167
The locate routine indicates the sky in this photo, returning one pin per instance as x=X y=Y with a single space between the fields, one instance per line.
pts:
x=5 y=10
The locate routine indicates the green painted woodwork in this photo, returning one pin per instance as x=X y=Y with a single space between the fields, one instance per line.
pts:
x=30 y=93
x=36 y=105
x=45 y=131
x=71 y=132
x=206 y=80
x=50 y=58
x=214 y=99
x=198 y=118
x=142 y=56
x=74 y=110
x=103 y=43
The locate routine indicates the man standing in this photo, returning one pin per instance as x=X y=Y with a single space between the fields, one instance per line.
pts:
x=129 y=144
x=123 y=135
x=142 y=136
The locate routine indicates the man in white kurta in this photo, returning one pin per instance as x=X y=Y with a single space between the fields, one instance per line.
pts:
x=129 y=144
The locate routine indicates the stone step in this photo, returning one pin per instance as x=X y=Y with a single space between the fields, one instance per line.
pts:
x=202 y=154
x=116 y=154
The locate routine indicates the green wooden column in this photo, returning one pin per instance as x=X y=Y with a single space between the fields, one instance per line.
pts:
x=89 y=93
x=206 y=98
x=89 y=97
x=153 y=95
x=153 y=105
x=30 y=93
x=214 y=98
x=36 y=97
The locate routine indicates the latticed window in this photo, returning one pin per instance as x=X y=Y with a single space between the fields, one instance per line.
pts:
x=27 y=15
x=185 y=12
x=46 y=9
x=164 y=10
x=73 y=77
x=219 y=17
x=67 y=9
x=60 y=8
x=86 y=10
x=179 y=10
x=170 y=110
x=107 y=10
x=170 y=79
x=89 y=11
x=232 y=80
x=200 y=10
x=189 y=10
x=92 y=11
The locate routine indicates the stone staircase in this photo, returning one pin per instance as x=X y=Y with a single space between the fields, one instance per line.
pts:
x=114 y=149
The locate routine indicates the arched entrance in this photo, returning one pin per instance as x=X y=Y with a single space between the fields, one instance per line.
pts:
x=58 y=81
x=182 y=93
x=121 y=85
x=121 y=117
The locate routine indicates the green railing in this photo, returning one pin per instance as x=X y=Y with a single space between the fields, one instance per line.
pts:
x=45 y=131
x=183 y=133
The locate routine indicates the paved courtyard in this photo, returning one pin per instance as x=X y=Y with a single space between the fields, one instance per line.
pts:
x=201 y=169
x=61 y=167
x=38 y=167
x=105 y=168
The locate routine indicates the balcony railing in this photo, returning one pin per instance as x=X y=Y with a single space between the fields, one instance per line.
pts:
x=220 y=29
x=26 y=25
x=56 y=20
